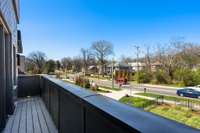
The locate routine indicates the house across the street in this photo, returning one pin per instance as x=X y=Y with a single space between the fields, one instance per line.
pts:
x=137 y=66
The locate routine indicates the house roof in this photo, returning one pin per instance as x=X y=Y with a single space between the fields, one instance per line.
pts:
x=134 y=64
x=119 y=64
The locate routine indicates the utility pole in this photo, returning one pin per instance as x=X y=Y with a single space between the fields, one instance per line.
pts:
x=112 y=73
x=137 y=48
x=148 y=60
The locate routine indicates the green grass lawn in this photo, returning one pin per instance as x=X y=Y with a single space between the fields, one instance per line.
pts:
x=170 y=98
x=180 y=114
x=136 y=102
x=68 y=81
x=100 y=89
x=110 y=88
x=103 y=90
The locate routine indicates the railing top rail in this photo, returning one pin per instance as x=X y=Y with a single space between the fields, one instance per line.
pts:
x=130 y=118
x=70 y=88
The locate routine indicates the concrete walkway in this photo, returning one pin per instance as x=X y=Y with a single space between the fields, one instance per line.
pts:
x=117 y=95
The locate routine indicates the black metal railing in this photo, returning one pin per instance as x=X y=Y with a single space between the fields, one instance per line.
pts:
x=76 y=110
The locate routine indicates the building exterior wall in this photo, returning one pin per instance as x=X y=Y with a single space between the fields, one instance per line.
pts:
x=21 y=64
x=9 y=19
x=137 y=66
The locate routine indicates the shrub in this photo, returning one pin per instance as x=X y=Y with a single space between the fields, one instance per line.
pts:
x=83 y=82
x=187 y=77
x=160 y=77
x=58 y=74
x=87 y=83
x=94 y=88
x=197 y=77
x=143 y=77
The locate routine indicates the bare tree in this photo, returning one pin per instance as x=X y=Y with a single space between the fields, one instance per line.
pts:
x=77 y=62
x=66 y=63
x=189 y=55
x=102 y=49
x=148 y=59
x=29 y=66
x=166 y=55
x=58 y=64
x=87 y=58
x=50 y=66
x=38 y=60
x=177 y=54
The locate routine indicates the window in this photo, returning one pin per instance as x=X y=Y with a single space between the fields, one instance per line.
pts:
x=18 y=60
x=14 y=66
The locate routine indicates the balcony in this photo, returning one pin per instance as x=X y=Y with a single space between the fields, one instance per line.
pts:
x=55 y=106
x=30 y=116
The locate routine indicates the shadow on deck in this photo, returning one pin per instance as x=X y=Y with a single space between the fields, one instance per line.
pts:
x=30 y=116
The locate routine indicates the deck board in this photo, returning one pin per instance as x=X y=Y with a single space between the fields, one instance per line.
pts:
x=36 y=124
x=30 y=116
x=41 y=118
x=16 y=117
x=49 y=122
x=22 y=124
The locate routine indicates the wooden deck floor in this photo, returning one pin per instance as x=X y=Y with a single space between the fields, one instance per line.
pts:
x=30 y=116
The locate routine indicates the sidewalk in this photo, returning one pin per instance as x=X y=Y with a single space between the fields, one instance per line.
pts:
x=117 y=95
x=156 y=86
x=143 y=85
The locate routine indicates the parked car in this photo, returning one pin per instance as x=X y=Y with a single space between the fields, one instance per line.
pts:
x=188 y=92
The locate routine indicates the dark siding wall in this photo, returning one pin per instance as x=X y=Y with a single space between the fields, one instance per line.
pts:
x=7 y=10
x=9 y=82
x=6 y=84
x=28 y=86
x=2 y=80
x=8 y=39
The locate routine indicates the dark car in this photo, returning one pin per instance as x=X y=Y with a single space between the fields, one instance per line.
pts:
x=188 y=92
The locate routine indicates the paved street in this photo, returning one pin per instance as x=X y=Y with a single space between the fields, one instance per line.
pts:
x=134 y=87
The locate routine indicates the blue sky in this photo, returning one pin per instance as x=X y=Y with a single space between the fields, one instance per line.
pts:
x=61 y=28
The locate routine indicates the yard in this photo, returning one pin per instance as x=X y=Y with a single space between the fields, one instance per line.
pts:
x=110 y=88
x=180 y=114
x=100 y=89
x=136 y=102
x=170 y=98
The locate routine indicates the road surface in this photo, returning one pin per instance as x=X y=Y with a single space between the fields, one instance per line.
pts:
x=140 y=88
x=136 y=87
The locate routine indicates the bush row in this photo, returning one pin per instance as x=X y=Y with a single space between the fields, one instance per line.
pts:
x=85 y=83
x=181 y=77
